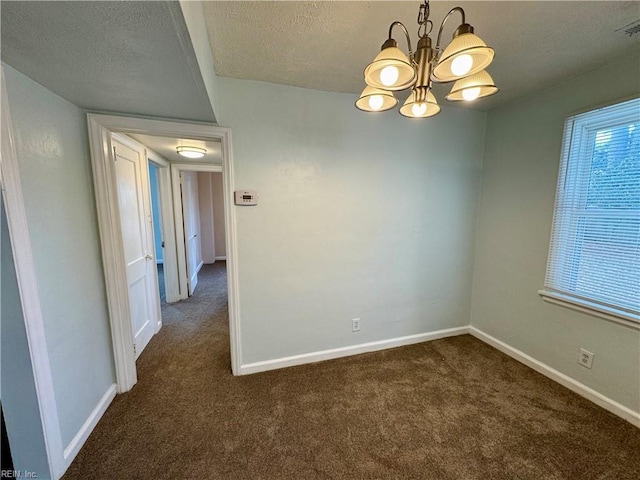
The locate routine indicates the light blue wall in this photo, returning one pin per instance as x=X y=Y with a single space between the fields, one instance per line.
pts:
x=53 y=158
x=19 y=399
x=155 y=212
x=360 y=215
x=522 y=156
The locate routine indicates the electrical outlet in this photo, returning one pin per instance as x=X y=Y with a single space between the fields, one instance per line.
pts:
x=355 y=325
x=585 y=358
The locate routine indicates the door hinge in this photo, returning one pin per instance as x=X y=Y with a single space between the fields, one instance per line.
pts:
x=115 y=156
x=135 y=349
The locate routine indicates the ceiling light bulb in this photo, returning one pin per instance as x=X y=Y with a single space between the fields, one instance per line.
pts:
x=191 y=152
x=461 y=65
x=471 y=93
x=389 y=75
x=418 y=109
x=375 y=102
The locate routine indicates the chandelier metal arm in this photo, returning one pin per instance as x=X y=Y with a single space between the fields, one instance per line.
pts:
x=406 y=34
x=444 y=21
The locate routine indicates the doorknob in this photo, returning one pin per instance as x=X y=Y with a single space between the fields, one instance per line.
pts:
x=149 y=257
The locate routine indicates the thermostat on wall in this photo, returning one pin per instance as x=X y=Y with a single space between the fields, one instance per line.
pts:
x=246 y=197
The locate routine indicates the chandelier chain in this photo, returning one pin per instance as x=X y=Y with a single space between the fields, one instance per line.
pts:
x=424 y=24
x=423 y=13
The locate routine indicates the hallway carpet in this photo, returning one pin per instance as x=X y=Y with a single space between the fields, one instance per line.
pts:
x=449 y=409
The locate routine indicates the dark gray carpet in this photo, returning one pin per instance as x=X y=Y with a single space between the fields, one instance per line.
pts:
x=448 y=409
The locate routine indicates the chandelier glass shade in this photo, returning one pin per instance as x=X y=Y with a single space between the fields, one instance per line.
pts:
x=390 y=70
x=420 y=109
x=376 y=100
x=463 y=61
x=466 y=49
x=474 y=86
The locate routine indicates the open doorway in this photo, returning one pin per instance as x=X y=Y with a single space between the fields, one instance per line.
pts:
x=101 y=128
x=189 y=223
x=201 y=216
x=156 y=219
x=195 y=215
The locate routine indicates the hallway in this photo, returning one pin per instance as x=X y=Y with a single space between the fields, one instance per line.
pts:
x=186 y=361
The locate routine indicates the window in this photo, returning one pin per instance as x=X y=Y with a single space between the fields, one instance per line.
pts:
x=594 y=255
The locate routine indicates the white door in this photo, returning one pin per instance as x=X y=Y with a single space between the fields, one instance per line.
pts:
x=135 y=217
x=191 y=218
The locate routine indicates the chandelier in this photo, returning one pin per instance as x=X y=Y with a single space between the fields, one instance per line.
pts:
x=463 y=61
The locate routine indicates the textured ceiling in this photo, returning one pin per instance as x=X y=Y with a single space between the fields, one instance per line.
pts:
x=326 y=45
x=136 y=57
x=129 y=57
x=166 y=147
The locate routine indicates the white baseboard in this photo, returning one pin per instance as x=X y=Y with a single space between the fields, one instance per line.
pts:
x=83 y=434
x=322 y=355
x=223 y=257
x=564 y=380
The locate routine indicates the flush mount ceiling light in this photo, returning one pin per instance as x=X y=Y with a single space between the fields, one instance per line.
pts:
x=191 y=152
x=463 y=61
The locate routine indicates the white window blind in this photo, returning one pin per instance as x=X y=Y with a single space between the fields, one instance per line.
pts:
x=594 y=253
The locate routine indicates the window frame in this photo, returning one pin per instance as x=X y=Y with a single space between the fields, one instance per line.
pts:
x=579 y=132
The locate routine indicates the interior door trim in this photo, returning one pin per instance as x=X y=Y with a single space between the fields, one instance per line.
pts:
x=100 y=129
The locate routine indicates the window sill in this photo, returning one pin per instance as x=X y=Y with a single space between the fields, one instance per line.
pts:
x=610 y=314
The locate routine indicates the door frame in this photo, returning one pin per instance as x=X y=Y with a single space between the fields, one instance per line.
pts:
x=172 y=291
x=176 y=169
x=100 y=128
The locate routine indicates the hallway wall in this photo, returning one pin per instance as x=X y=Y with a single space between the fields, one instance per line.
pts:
x=19 y=398
x=218 y=215
x=207 y=225
x=212 y=216
x=53 y=158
